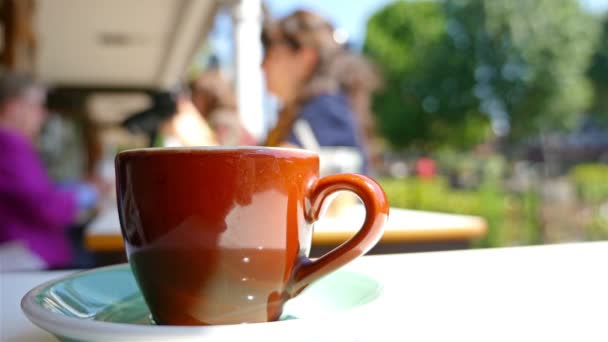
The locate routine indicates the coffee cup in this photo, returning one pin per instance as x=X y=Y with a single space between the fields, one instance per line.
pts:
x=222 y=235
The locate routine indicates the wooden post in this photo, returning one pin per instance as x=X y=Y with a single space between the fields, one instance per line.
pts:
x=19 y=38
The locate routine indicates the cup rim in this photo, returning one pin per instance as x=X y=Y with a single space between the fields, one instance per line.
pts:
x=189 y=149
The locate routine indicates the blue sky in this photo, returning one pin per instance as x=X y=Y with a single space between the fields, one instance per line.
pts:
x=595 y=5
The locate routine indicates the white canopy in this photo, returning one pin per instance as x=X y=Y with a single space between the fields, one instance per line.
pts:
x=144 y=44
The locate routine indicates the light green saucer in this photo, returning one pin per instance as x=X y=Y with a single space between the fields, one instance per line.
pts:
x=105 y=304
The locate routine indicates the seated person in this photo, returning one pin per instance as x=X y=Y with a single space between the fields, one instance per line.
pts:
x=312 y=77
x=214 y=98
x=322 y=89
x=185 y=128
x=34 y=212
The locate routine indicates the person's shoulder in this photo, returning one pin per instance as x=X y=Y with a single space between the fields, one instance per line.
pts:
x=333 y=105
x=12 y=143
x=17 y=155
x=327 y=101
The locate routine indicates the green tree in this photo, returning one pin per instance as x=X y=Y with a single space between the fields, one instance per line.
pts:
x=458 y=70
x=598 y=73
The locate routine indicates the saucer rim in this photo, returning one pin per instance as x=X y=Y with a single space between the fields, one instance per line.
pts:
x=71 y=327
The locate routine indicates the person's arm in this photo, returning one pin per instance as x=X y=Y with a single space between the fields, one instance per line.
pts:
x=86 y=194
x=27 y=185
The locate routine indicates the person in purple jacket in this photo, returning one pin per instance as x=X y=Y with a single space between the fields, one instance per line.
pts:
x=33 y=211
x=323 y=89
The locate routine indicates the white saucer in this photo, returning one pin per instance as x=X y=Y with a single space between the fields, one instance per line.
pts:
x=105 y=304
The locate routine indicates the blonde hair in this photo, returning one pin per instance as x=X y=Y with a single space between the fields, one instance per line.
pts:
x=216 y=89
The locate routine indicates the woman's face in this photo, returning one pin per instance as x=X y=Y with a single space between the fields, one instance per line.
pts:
x=33 y=109
x=26 y=113
x=286 y=69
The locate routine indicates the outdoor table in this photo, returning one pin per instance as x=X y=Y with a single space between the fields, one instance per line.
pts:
x=542 y=293
x=406 y=230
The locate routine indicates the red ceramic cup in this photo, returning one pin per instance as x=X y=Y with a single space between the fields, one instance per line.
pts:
x=222 y=235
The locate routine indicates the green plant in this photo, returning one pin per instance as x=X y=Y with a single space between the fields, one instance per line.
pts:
x=591 y=182
x=457 y=70
x=512 y=219
x=597 y=229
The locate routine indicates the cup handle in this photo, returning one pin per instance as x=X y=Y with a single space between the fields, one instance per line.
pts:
x=376 y=214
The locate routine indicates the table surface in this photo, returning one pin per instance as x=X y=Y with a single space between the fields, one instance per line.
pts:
x=543 y=293
x=403 y=225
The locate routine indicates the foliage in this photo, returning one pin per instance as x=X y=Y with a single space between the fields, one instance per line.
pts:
x=459 y=69
x=512 y=219
x=598 y=73
x=408 y=41
x=597 y=229
x=591 y=182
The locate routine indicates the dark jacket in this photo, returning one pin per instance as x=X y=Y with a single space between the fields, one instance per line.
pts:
x=333 y=124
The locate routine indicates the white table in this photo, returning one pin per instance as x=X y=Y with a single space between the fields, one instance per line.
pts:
x=545 y=293
x=403 y=226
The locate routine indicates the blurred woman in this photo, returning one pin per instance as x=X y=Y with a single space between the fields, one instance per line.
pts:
x=34 y=212
x=214 y=98
x=323 y=90
x=186 y=127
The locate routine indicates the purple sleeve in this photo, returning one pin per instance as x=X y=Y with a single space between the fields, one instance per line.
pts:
x=26 y=184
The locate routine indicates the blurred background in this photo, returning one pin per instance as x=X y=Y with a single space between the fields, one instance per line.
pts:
x=491 y=108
